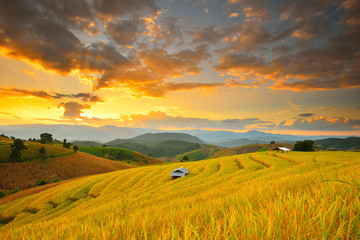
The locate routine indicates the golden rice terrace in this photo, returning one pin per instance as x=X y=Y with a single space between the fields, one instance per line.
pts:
x=253 y=196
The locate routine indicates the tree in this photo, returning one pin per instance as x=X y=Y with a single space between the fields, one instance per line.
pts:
x=185 y=158
x=16 y=147
x=306 y=145
x=75 y=148
x=66 y=144
x=42 y=150
x=46 y=138
x=272 y=142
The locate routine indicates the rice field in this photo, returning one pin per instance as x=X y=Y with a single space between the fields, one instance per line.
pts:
x=263 y=195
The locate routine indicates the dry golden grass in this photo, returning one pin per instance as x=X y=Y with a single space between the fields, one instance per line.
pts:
x=253 y=196
x=26 y=174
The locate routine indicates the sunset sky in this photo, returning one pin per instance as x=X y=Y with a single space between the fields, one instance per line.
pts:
x=276 y=66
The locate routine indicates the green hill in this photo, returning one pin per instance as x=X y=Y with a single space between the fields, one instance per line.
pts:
x=203 y=152
x=150 y=138
x=87 y=143
x=120 y=154
x=169 y=148
x=32 y=151
x=263 y=195
x=350 y=143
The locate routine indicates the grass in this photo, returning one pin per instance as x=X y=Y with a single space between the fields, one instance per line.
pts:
x=199 y=154
x=24 y=175
x=32 y=151
x=261 y=195
x=120 y=154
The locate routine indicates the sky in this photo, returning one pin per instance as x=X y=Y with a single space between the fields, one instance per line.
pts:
x=275 y=66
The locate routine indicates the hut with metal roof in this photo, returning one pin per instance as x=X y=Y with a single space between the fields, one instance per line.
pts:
x=179 y=172
x=283 y=149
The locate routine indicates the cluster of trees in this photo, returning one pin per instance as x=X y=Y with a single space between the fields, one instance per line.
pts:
x=306 y=145
x=45 y=138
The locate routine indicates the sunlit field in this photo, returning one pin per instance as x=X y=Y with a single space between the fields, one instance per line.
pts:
x=263 y=195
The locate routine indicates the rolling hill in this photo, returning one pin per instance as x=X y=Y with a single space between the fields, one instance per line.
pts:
x=27 y=174
x=241 y=142
x=32 y=151
x=248 y=149
x=250 y=196
x=350 y=143
x=203 y=152
x=120 y=154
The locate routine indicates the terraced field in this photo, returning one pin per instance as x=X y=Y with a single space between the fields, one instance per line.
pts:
x=251 y=196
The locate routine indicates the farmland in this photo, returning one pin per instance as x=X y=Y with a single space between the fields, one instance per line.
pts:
x=263 y=195
x=27 y=174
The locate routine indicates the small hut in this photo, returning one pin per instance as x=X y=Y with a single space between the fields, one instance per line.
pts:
x=283 y=149
x=179 y=172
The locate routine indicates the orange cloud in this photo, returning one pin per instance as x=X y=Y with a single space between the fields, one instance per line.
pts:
x=322 y=123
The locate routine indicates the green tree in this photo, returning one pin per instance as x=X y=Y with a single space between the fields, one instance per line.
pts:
x=272 y=142
x=66 y=144
x=75 y=148
x=42 y=150
x=306 y=145
x=16 y=147
x=46 y=138
x=185 y=158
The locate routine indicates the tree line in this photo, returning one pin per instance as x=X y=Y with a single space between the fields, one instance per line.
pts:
x=45 y=138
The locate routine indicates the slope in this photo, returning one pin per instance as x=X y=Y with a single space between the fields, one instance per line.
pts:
x=251 y=196
x=248 y=149
x=32 y=151
x=120 y=154
x=167 y=149
x=149 y=138
x=350 y=143
x=27 y=174
x=203 y=152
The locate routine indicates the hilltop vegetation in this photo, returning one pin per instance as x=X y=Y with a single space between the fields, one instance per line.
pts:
x=263 y=195
x=120 y=154
x=32 y=151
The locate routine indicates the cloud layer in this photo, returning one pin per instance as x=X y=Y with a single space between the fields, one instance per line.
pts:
x=294 y=45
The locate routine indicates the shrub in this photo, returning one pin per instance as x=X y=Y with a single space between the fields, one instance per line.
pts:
x=306 y=145
x=2 y=194
x=42 y=150
x=41 y=182
x=15 y=190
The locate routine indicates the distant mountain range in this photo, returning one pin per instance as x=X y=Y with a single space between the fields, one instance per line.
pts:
x=107 y=133
x=139 y=139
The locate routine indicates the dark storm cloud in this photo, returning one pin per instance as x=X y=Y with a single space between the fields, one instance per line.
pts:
x=85 y=97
